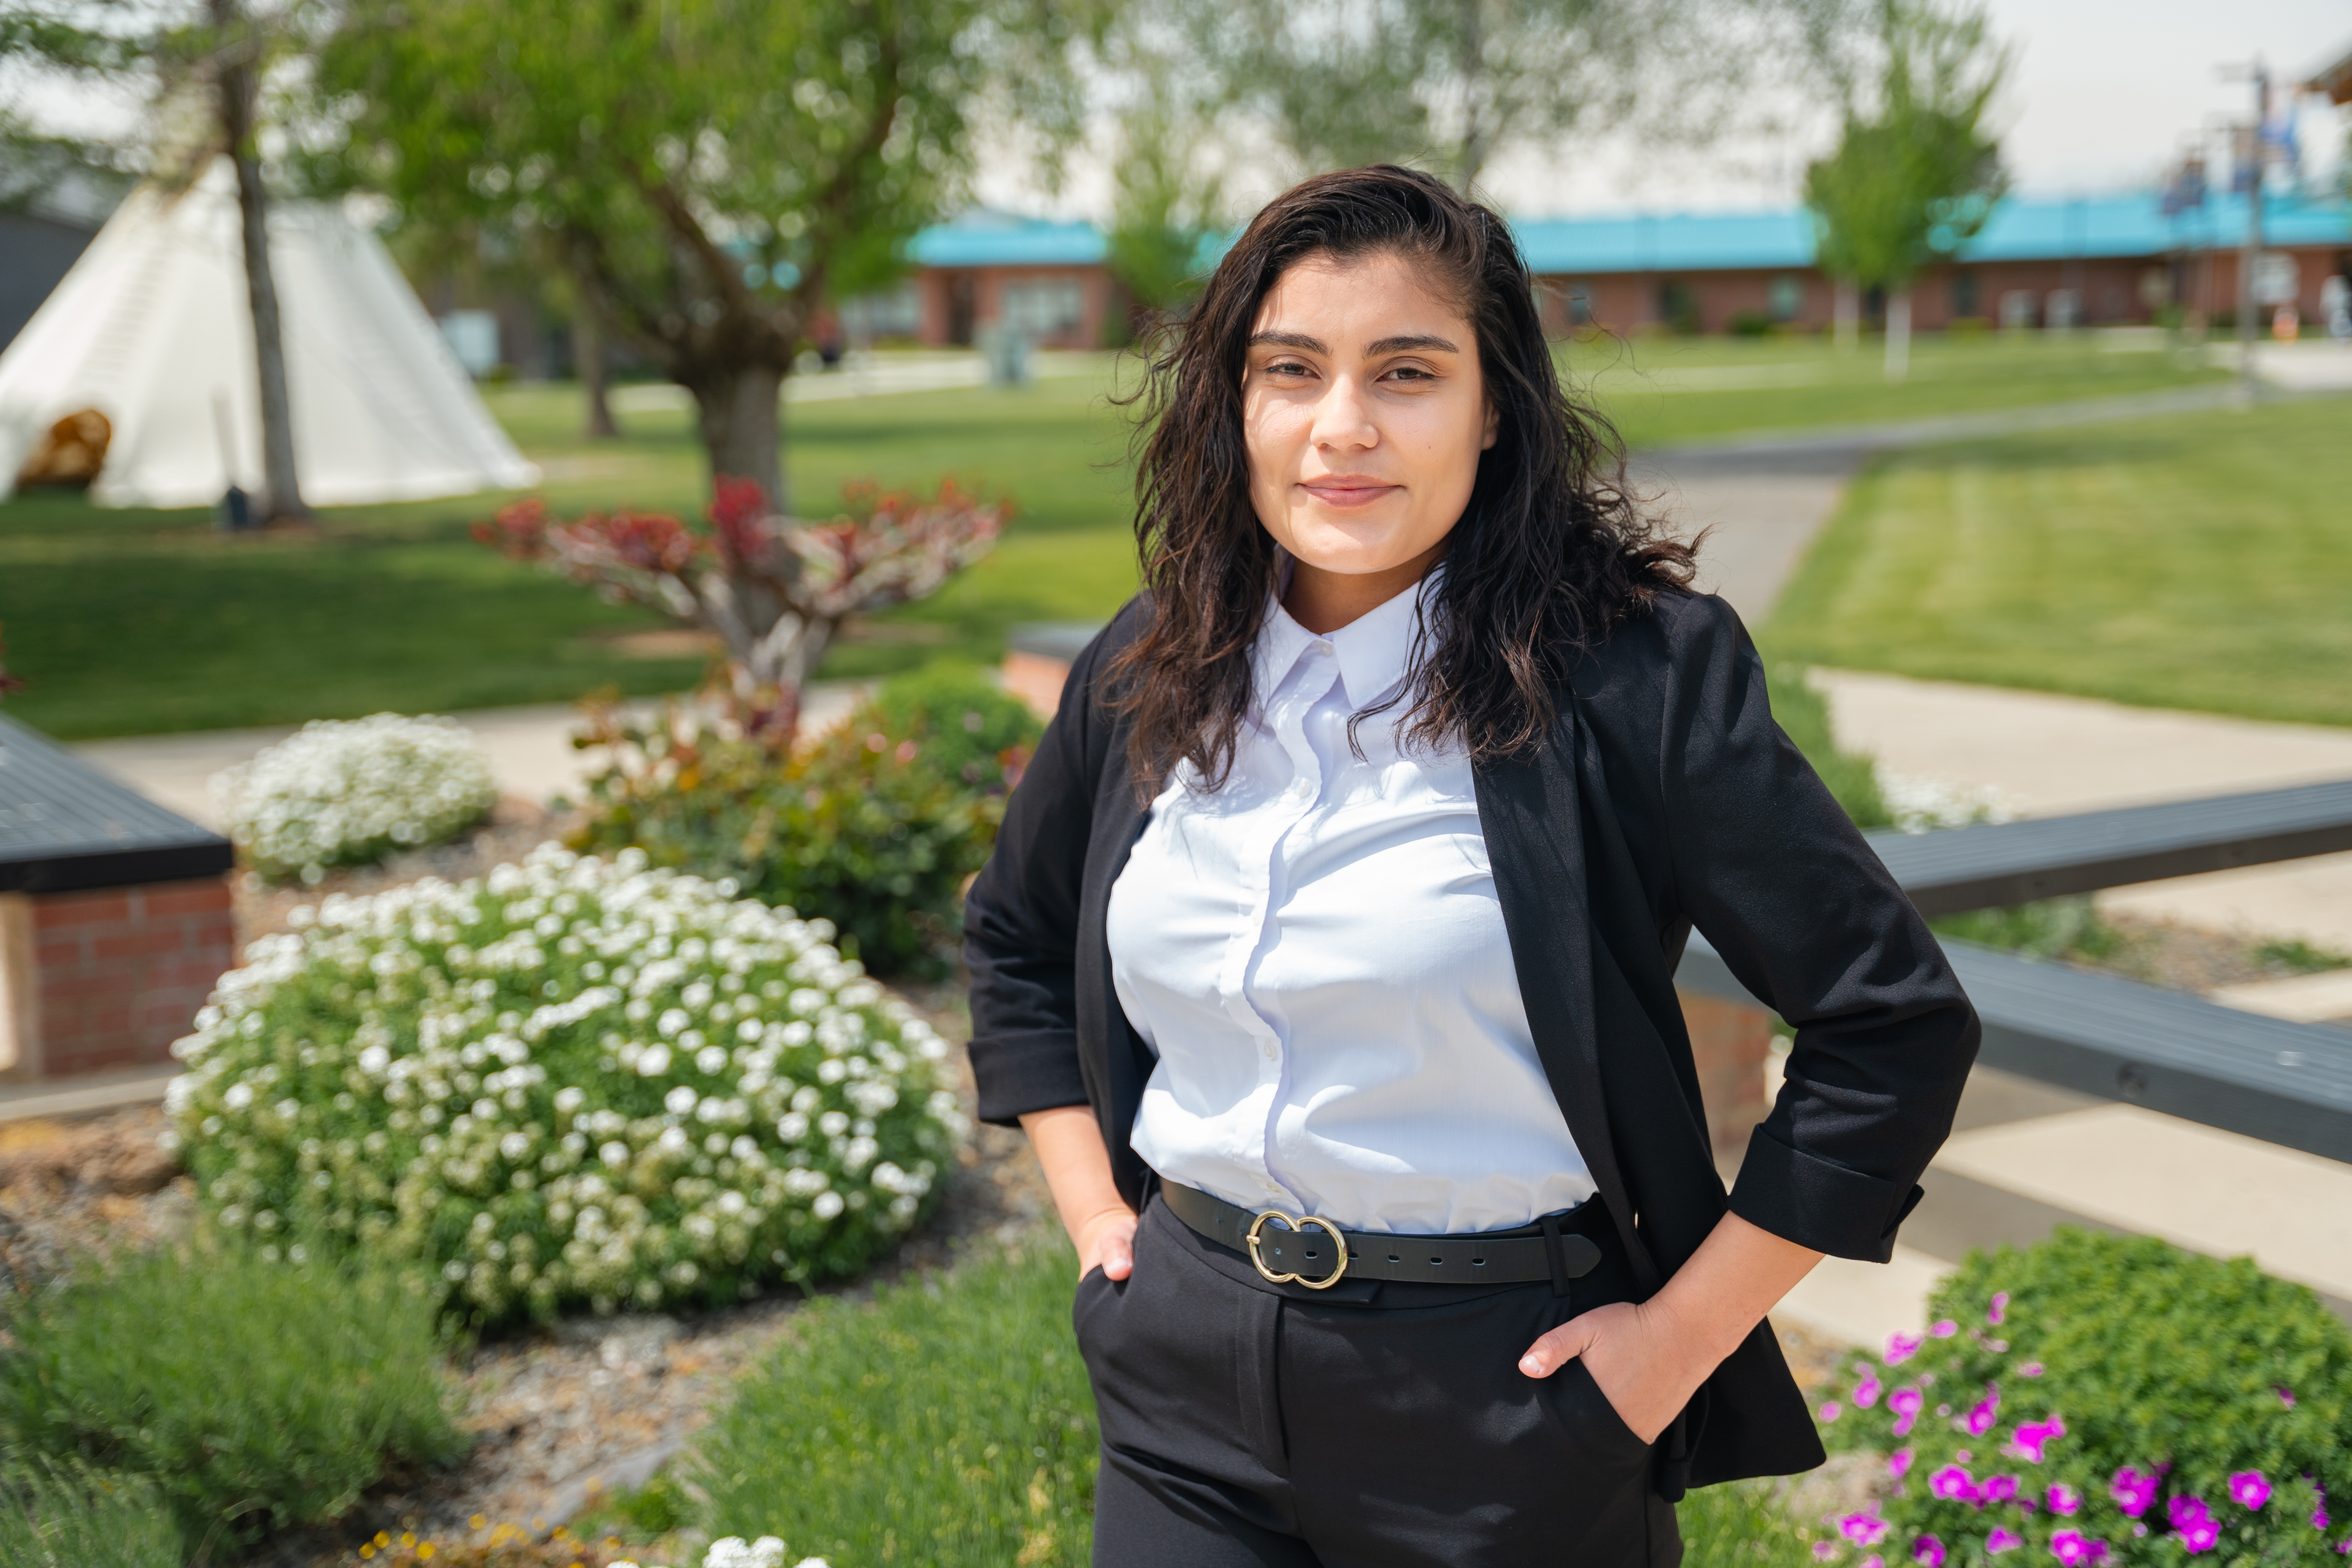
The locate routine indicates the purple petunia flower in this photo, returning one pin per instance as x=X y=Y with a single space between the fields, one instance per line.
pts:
x=1866 y=1391
x=1903 y=1347
x=1929 y=1551
x=2202 y=1536
x=2186 y=1509
x=2286 y=1398
x=1874 y=1560
x=1832 y=1411
x=1996 y=1489
x=1987 y=1410
x=2031 y=1368
x=1953 y=1484
x=1905 y=1403
x=2033 y=1437
x=1864 y=1529
x=2075 y=1550
x=2002 y=1541
x=1998 y=1310
x=2248 y=1489
x=1943 y=1327
x=2133 y=1491
x=2064 y=1499
x=1898 y=1465
x=1824 y=1550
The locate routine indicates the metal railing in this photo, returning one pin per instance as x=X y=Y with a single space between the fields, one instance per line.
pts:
x=2287 y=1083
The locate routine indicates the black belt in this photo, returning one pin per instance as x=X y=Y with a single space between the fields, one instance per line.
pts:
x=1309 y=1250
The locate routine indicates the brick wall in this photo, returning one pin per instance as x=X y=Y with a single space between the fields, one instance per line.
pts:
x=107 y=978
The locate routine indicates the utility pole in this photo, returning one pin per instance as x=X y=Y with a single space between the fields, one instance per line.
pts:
x=2249 y=384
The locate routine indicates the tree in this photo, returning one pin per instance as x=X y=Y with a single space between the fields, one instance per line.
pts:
x=214 y=58
x=1164 y=205
x=1452 y=83
x=775 y=593
x=1916 y=175
x=707 y=172
x=236 y=47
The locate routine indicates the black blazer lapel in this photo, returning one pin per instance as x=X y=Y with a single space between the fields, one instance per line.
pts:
x=1118 y=1067
x=1527 y=808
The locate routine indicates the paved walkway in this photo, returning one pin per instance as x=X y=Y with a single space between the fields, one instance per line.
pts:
x=529 y=749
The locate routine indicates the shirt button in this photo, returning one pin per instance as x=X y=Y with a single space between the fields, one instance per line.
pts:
x=1271 y=1051
x=1323 y=648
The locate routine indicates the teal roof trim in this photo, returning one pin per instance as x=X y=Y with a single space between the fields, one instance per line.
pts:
x=1000 y=239
x=2020 y=230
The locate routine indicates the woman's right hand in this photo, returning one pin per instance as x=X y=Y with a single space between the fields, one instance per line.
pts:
x=1078 y=1170
x=1107 y=1242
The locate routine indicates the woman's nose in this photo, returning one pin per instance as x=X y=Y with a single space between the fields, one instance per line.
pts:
x=1343 y=417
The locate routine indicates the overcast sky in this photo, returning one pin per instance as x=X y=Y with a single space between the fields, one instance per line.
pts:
x=2100 y=99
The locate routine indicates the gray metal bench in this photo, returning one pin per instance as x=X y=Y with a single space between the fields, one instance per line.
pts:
x=2285 y=1083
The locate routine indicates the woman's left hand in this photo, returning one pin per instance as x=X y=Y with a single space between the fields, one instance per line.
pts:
x=1646 y=1374
x=1649 y=1359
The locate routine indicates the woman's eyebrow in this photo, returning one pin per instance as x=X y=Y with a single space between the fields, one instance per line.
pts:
x=1299 y=341
x=1408 y=345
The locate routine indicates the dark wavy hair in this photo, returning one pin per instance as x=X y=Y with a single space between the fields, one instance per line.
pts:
x=1551 y=553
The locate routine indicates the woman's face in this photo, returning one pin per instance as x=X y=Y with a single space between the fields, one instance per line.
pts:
x=1364 y=413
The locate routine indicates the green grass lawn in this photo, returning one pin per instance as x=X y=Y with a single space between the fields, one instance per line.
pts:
x=1667 y=391
x=140 y=622
x=2197 y=561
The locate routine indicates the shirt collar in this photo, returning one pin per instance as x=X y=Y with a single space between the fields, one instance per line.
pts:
x=1374 y=650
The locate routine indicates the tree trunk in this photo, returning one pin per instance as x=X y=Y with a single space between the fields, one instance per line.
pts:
x=1846 y=332
x=588 y=366
x=282 y=498
x=1898 y=335
x=737 y=409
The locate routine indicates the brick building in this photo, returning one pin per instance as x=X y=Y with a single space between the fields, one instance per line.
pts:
x=2039 y=262
x=114 y=917
x=2090 y=261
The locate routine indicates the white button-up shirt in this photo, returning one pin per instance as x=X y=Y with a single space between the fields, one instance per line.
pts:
x=1315 y=954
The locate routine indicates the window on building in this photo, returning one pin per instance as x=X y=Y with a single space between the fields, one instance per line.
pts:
x=1964 y=294
x=1044 y=308
x=1678 y=305
x=1786 y=297
x=898 y=313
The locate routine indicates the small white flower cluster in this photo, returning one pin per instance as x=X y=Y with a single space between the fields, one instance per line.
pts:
x=348 y=792
x=572 y=1081
x=734 y=1552
x=1922 y=805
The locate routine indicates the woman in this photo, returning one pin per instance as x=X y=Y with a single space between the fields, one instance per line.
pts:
x=1326 y=952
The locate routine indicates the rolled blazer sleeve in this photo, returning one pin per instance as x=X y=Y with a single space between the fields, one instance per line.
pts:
x=1772 y=869
x=1021 y=917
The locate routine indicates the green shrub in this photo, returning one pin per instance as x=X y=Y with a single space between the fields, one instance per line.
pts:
x=2046 y=928
x=348 y=792
x=2109 y=1398
x=70 y=1516
x=1803 y=715
x=1742 y=1524
x=573 y=1082
x=251 y=1395
x=947 y=1423
x=877 y=825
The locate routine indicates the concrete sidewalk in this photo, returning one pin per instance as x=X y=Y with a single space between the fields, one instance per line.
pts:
x=529 y=749
x=2046 y=756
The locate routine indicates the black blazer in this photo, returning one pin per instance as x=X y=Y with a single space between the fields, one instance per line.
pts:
x=1665 y=798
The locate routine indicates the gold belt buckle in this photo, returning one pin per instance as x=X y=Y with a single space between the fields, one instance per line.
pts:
x=1299 y=1223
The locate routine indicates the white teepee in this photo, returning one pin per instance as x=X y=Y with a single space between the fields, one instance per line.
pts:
x=152 y=329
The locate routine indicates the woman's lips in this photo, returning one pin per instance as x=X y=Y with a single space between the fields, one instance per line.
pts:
x=1347 y=492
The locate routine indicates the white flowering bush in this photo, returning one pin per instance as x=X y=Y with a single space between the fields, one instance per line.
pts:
x=734 y=1552
x=347 y=793
x=1921 y=804
x=572 y=1082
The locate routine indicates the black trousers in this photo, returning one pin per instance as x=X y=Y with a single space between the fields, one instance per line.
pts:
x=1249 y=1425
